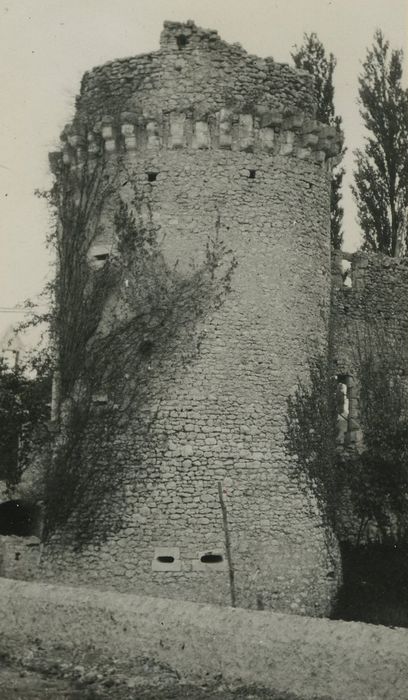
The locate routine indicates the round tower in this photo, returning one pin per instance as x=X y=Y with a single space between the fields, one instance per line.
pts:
x=221 y=141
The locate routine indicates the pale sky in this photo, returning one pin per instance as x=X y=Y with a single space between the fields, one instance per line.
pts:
x=46 y=46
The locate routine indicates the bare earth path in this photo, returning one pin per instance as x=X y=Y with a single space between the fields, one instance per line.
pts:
x=19 y=683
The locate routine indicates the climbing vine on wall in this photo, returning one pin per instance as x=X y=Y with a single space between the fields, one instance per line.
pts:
x=310 y=438
x=121 y=320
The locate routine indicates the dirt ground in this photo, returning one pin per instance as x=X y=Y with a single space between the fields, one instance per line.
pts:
x=19 y=683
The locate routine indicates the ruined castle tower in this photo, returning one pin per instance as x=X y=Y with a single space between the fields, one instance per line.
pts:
x=210 y=132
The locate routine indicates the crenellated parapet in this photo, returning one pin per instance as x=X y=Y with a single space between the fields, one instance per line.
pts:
x=265 y=130
x=198 y=93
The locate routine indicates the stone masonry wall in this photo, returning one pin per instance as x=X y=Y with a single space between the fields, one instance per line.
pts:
x=193 y=70
x=266 y=176
x=373 y=309
x=19 y=557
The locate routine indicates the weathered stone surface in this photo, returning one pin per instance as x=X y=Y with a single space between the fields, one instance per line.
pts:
x=19 y=556
x=222 y=417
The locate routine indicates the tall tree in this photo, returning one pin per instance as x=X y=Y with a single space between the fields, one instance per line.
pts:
x=311 y=56
x=24 y=410
x=381 y=175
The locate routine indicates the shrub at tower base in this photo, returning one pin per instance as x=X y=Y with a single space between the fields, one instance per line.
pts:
x=193 y=201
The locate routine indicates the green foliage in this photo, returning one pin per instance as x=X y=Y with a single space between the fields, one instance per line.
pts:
x=311 y=432
x=24 y=408
x=311 y=56
x=381 y=175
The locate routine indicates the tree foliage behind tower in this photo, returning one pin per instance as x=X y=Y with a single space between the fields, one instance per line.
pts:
x=25 y=393
x=311 y=56
x=381 y=175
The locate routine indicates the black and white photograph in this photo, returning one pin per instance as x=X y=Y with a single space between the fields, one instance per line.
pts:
x=204 y=350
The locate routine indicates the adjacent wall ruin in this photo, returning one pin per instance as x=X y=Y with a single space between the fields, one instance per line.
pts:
x=370 y=308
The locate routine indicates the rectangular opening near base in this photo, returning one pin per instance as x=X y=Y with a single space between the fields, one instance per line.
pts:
x=210 y=560
x=166 y=559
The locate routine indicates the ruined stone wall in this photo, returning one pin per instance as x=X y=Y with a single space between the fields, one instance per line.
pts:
x=369 y=318
x=371 y=309
x=266 y=176
x=193 y=70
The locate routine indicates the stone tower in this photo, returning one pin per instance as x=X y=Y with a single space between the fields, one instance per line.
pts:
x=208 y=130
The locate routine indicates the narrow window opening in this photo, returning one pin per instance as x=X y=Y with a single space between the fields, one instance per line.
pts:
x=343 y=398
x=347 y=410
x=165 y=559
x=211 y=558
x=346 y=273
x=182 y=41
x=17 y=556
x=99 y=254
x=252 y=174
x=100 y=400
x=152 y=176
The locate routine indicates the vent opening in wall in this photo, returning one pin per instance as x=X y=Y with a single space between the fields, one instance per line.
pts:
x=182 y=41
x=165 y=559
x=252 y=174
x=102 y=256
x=211 y=558
x=210 y=561
x=152 y=176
